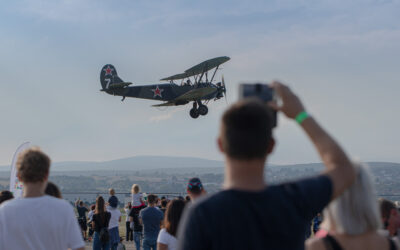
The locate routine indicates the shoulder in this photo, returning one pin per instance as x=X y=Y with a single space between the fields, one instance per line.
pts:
x=315 y=244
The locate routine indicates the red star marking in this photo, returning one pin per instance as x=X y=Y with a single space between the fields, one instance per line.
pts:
x=108 y=70
x=157 y=92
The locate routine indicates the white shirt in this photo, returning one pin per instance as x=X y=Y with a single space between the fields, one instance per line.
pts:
x=127 y=211
x=90 y=215
x=167 y=239
x=114 y=220
x=136 y=199
x=39 y=223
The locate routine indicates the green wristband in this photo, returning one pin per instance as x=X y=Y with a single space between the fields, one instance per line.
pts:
x=301 y=117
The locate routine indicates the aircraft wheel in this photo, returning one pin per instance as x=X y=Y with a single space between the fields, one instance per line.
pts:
x=194 y=113
x=203 y=110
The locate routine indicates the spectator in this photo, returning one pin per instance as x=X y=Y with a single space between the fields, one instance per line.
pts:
x=136 y=226
x=113 y=200
x=37 y=221
x=90 y=218
x=82 y=209
x=352 y=220
x=151 y=218
x=100 y=222
x=195 y=189
x=5 y=195
x=262 y=216
x=113 y=226
x=53 y=190
x=137 y=198
x=390 y=218
x=129 y=232
x=167 y=237
x=164 y=203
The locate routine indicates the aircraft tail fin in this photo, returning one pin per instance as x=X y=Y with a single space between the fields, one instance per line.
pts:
x=109 y=78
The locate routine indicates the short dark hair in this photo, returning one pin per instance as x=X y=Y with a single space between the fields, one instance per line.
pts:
x=33 y=165
x=164 y=203
x=173 y=215
x=246 y=129
x=151 y=198
x=53 y=190
x=386 y=207
x=5 y=195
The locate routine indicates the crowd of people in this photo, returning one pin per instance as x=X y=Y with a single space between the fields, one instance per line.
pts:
x=340 y=204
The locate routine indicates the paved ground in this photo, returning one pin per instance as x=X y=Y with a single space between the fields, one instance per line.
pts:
x=129 y=246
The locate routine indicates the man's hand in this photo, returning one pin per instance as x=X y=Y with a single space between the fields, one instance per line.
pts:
x=291 y=104
x=337 y=164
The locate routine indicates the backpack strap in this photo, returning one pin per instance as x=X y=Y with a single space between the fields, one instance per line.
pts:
x=331 y=244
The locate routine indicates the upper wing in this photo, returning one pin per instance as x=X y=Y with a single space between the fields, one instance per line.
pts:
x=207 y=65
x=200 y=68
x=175 y=77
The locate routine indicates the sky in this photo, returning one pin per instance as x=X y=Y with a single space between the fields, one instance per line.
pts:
x=341 y=57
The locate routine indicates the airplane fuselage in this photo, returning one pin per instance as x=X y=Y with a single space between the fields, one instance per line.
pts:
x=168 y=92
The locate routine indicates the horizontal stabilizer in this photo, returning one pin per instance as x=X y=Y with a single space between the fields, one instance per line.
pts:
x=119 y=85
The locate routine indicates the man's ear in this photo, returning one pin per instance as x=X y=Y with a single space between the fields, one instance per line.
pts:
x=271 y=146
x=46 y=178
x=219 y=142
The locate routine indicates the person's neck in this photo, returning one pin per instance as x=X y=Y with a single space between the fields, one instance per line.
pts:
x=247 y=175
x=34 y=189
x=152 y=205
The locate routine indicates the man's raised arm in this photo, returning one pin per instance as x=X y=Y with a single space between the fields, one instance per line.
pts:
x=337 y=165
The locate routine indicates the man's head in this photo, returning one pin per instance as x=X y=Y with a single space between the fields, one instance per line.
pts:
x=194 y=188
x=33 y=166
x=390 y=215
x=151 y=199
x=246 y=131
x=111 y=191
x=164 y=203
x=5 y=195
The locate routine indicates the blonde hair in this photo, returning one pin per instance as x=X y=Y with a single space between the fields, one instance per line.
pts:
x=135 y=189
x=356 y=210
x=111 y=191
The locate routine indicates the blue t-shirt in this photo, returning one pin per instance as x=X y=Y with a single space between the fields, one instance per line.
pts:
x=275 y=218
x=151 y=218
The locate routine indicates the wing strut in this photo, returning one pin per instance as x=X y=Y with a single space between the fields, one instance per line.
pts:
x=214 y=73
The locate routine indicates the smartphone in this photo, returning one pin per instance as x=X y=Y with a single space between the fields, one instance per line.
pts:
x=261 y=91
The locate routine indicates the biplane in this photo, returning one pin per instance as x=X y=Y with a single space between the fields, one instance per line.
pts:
x=195 y=86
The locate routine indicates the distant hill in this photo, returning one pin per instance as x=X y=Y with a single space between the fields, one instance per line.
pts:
x=134 y=163
x=152 y=163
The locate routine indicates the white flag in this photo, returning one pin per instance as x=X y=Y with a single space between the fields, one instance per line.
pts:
x=16 y=187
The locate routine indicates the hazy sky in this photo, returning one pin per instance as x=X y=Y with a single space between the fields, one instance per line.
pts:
x=341 y=57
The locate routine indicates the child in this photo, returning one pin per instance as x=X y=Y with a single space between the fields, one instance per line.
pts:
x=113 y=200
x=137 y=198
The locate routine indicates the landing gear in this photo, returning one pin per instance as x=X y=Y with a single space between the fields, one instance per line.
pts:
x=203 y=110
x=194 y=113
x=198 y=109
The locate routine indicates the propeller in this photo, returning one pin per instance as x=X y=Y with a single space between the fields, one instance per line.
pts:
x=224 y=89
